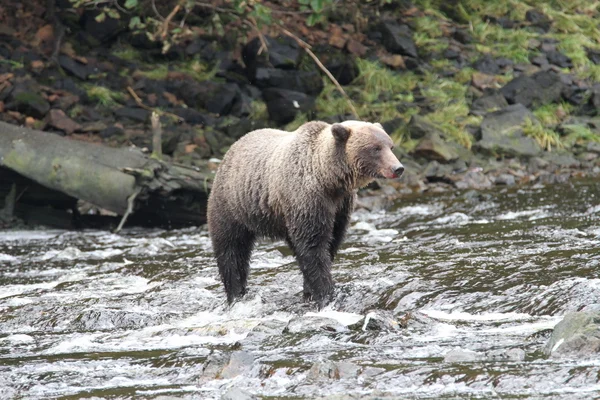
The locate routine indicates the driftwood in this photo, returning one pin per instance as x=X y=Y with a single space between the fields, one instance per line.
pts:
x=157 y=193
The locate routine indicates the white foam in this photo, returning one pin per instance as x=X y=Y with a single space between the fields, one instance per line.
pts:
x=483 y=317
x=343 y=318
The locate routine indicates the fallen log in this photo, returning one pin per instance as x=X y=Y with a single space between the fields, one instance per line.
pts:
x=121 y=180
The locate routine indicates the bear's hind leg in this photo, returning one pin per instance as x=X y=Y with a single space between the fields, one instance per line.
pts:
x=232 y=246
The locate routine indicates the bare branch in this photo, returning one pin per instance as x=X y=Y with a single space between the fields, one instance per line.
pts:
x=312 y=55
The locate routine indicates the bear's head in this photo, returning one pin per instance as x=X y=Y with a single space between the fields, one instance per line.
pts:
x=368 y=151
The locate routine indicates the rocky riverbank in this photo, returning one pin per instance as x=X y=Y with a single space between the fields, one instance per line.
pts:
x=502 y=94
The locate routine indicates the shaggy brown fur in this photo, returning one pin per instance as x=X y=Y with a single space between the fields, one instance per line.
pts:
x=298 y=186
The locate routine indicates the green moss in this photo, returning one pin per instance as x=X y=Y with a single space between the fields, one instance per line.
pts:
x=553 y=114
x=295 y=124
x=258 y=110
x=128 y=54
x=578 y=134
x=103 y=95
x=195 y=68
x=159 y=72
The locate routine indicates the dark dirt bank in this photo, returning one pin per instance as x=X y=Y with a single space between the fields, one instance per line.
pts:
x=491 y=95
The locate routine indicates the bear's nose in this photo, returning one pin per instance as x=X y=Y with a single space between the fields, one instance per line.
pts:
x=399 y=170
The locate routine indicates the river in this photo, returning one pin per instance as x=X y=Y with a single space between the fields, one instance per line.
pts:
x=461 y=291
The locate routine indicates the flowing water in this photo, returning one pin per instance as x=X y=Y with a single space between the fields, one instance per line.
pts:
x=475 y=281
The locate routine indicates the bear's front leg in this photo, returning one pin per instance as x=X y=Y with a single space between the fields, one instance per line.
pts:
x=310 y=237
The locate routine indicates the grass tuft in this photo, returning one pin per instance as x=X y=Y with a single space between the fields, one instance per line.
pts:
x=104 y=96
x=546 y=137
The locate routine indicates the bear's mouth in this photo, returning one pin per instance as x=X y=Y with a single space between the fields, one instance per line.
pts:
x=386 y=175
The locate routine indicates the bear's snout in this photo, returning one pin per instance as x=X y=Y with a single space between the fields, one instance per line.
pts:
x=398 y=170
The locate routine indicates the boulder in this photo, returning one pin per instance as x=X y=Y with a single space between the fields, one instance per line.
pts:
x=492 y=100
x=559 y=59
x=282 y=52
x=593 y=55
x=240 y=363
x=538 y=89
x=538 y=19
x=102 y=31
x=397 y=38
x=309 y=82
x=342 y=66
x=418 y=127
x=433 y=147
x=577 y=336
x=215 y=97
x=487 y=64
x=502 y=134
x=283 y=105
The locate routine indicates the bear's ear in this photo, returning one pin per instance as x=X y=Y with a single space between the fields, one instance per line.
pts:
x=377 y=124
x=340 y=132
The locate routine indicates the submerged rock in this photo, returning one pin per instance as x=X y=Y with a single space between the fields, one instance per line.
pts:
x=237 y=394
x=576 y=336
x=462 y=355
x=333 y=370
x=240 y=362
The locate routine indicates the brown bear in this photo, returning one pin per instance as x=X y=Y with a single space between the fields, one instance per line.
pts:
x=297 y=186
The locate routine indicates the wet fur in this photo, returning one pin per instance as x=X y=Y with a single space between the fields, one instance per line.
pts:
x=297 y=186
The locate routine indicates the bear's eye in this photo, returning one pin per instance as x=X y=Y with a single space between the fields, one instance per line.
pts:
x=378 y=149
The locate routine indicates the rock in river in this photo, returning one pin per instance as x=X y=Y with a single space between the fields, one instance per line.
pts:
x=576 y=336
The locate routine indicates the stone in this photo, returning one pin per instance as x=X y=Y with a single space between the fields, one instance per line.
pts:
x=473 y=179
x=190 y=115
x=240 y=363
x=73 y=67
x=133 y=113
x=483 y=81
x=541 y=88
x=505 y=179
x=433 y=147
x=462 y=355
x=215 y=97
x=312 y=323
x=593 y=147
x=309 y=82
x=559 y=59
x=237 y=394
x=502 y=134
x=357 y=48
x=100 y=31
x=395 y=61
x=577 y=336
x=436 y=172
x=562 y=159
x=490 y=101
x=593 y=55
x=111 y=131
x=283 y=105
x=342 y=67
x=487 y=65
x=59 y=120
x=24 y=96
x=282 y=52
x=333 y=370
x=418 y=127
x=397 y=38
x=380 y=320
x=538 y=19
